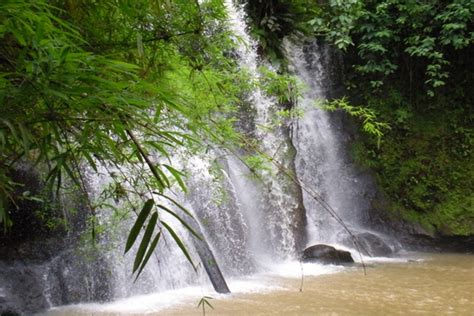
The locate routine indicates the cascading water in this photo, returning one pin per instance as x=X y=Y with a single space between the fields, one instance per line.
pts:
x=248 y=224
x=162 y=269
x=322 y=159
x=276 y=211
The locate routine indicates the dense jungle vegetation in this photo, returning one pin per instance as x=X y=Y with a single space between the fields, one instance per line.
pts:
x=410 y=62
x=110 y=86
x=105 y=84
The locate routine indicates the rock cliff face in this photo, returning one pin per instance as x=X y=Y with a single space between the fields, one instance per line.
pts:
x=35 y=284
x=41 y=267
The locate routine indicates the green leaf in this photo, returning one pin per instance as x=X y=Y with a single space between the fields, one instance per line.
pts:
x=175 y=203
x=183 y=222
x=205 y=301
x=12 y=130
x=178 y=176
x=90 y=160
x=179 y=243
x=145 y=241
x=148 y=254
x=25 y=137
x=138 y=224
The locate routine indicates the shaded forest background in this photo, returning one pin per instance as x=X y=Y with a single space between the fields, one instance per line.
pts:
x=409 y=61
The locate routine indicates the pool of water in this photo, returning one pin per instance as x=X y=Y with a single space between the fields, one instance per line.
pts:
x=423 y=284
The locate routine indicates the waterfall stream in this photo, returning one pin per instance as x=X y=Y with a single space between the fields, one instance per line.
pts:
x=321 y=160
x=251 y=225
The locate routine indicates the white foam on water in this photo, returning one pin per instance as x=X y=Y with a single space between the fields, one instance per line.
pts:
x=156 y=302
x=142 y=304
x=264 y=282
x=294 y=269
x=368 y=259
x=268 y=281
x=253 y=284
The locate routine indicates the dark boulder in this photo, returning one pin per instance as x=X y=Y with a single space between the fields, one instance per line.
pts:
x=326 y=254
x=370 y=244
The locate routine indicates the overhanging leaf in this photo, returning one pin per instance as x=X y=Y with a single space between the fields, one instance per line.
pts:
x=145 y=241
x=178 y=176
x=138 y=224
x=180 y=220
x=148 y=254
x=179 y=243
x=175 y=203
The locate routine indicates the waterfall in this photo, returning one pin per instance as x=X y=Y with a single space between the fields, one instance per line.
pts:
x=249 y=224
x=319 y=160
x=271 y=210
x=323 y=160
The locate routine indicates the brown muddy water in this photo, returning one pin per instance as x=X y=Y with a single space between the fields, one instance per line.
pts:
x=426 y=284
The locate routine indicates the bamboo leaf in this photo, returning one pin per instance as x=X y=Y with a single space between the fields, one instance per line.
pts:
x=148 y=254
x=145 y=241
x=183 y=222
x=179 y=243
x=12 y=129
x=175 y=203
x=178 y=176
x=164 y=178
x=138 y=224
x=25 y=137
x=158 y=147
x=90 y=160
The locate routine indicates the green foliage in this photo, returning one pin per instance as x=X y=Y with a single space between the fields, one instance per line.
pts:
x=415 y=41
x=203 y=302
x=272 y=20
x=257 y=163
x=370 y=124
x=115 y=87
x=282 y=85
x=425 y=163
x=335 y=20
x=409 y=62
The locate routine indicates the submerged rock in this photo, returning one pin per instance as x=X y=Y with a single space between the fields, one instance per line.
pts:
x=326 y=254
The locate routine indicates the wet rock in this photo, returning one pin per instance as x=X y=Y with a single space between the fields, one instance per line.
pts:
x=326 y=254
x=41 y=267
x=30 y=286
x=7 y=307
x=23 y=289
x=73 y=278
x=370 y=244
